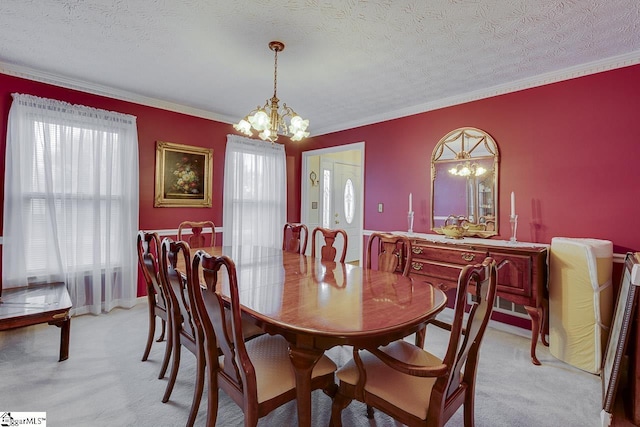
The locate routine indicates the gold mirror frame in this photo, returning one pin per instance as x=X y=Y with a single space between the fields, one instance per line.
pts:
x=465 y=200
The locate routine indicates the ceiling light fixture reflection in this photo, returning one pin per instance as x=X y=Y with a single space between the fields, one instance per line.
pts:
x=467 y=169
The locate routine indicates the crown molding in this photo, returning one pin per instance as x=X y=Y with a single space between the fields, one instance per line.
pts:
x=107 y=91
x=621 y=61
x=599 y=66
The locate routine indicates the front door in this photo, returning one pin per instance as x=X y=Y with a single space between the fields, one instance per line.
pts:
x=341 y=190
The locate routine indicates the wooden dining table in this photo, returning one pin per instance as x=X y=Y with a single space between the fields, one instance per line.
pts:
x=316 y=305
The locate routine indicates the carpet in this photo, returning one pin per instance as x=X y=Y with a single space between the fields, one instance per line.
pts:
x=104 y=383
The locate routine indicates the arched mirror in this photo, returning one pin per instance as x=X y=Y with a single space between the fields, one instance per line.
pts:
x=464 y=182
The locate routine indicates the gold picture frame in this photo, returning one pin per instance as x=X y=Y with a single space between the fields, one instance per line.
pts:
x=183 y=175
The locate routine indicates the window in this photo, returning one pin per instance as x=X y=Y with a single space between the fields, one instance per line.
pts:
x=71 y=201
x=255 y=203
x=53 y=163
x=326 y=198
x=349 y=201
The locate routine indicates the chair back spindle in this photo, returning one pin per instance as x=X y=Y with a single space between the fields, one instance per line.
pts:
x=328 y=251
x=198 y=237
x=295 y=237
x=394 y=251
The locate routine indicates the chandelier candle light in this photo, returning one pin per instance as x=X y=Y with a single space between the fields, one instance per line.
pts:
x=268 y=119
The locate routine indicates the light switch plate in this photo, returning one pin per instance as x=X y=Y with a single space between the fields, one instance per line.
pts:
x=380 y=207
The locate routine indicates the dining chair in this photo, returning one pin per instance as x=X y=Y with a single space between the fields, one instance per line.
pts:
x=394 y=251
x=414 y=386
x=148 y=245
x=197 y=234
x=328 y=251
x=489 y=222
x=257 y=374
x=184 y=331
x=295 y=237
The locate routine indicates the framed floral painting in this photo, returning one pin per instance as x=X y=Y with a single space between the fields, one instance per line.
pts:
x=183 y=175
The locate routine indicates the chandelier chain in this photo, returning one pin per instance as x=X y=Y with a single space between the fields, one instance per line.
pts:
x=275 y=73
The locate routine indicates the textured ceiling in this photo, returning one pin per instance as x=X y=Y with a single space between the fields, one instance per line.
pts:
x=346 y=63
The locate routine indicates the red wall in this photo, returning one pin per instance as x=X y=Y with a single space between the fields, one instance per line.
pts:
x=569 y=150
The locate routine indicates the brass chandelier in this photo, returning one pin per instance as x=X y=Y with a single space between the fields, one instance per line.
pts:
x=269 y=120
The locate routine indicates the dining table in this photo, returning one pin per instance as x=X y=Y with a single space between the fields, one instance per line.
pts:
x=316 y=305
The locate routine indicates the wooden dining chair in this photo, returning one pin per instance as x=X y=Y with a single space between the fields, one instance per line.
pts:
x=328 y=251
x=295 y=237
x=414 y=386
x=256 y=374
x=148 y=254
x=394 y=250
x=184 y=331
x=489 y=222
x=198 y=237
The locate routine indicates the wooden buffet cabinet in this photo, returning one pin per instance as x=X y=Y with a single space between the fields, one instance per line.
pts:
x=522 y=271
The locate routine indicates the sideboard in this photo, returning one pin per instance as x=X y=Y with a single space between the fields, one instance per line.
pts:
x=522 y=271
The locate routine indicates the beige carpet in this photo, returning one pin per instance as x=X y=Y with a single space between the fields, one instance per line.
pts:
x=104 y=383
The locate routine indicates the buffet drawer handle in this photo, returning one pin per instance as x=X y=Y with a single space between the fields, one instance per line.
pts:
x=416 y=250
x=467 y=256
x=416 y=266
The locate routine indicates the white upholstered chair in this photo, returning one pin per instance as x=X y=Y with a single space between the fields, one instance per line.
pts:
x=580 y=300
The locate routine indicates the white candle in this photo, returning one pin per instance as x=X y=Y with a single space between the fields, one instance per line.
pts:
x=410 y=202
x=513 y=204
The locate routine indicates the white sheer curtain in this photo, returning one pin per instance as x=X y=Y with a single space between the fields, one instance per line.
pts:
x=71 y=201
x=255 y=193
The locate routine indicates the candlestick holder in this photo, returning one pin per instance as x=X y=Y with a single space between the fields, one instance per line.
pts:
x=514 y=228
x=410 y=221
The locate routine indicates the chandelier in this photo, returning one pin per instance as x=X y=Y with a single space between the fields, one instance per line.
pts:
x=269 y=120
x=467 y=169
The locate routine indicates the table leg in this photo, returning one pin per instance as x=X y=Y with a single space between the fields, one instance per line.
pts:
x=534 y=313
x=65 y=333
x=303 y=361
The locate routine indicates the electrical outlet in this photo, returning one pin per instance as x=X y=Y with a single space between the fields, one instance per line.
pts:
x=380 y=207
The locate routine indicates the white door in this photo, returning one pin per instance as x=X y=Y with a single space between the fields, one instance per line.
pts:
x=340 y=203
